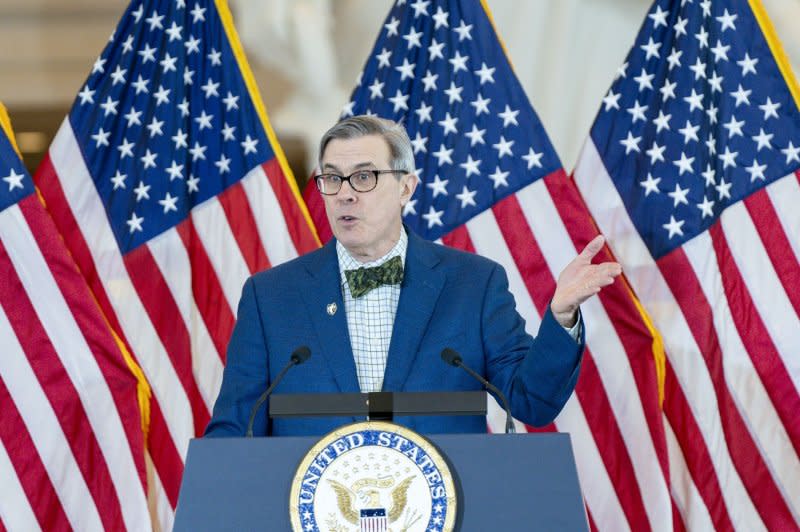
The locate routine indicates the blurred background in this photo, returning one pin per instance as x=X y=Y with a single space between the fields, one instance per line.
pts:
x=307 y=54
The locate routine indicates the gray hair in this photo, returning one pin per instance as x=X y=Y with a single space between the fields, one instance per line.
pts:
x=395 y=135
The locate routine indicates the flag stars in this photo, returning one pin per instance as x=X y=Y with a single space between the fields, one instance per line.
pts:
x=706 y=207
x=699 y=69
x=459 y=62
x=637 y=112
x=499 y=178
x=662 y=121
x=192 y=45
x=485 y=73
x=712 y=113
x=154 y=21
x=756 y=171
x=429 y=81
x=438 y=186
x=723 y=189
x=622 y=71
x=406 y=69
x=715 y=82
x=650 y=184
x=215 y=57
x=118 y=76
x=204 y=120
x=709 y=175
x=424 y=112
x=383 y=58
x=680 y=26
x=631 y=143
x=14 y=180
x=763 y=139
x=168 y=63
x=223 y=164
x=674 y=227
x=689 y=132
x=475 y=136
x=198 y=13
x=651 y=49
x=169 y=203
x=503 y=147
x=443 y=155
x=453 y=93
x=471 y=165
x=433 y=217
x=249 y=145
x=198 y=152
x=192 y=184
x=412 y=38
x=769 y=108
x=449 y=124
x=187 y=76
x=741 y=95
x=118 y=180
x=174 y=32
x=679 y=195
x=184 y=107
x=644 y=80
x=734 y=127
x=127 y=45
x=135 y=222
x=419 y=143
x=142 y=191
x=162 y=95
x=792 y=153
x=400 y=101
x=227 y=132
x=748 y=64
x=98 y=65
x=463 y=31
x=149 y=159
x=392 y=26
x=86 y=95
x=702 y=37
x=720 y=51
x=140 y=84
x=376 y=89
x=109 y=106
x=101 y=138
x=728 y=158
x=611 y=100
x=155 y=127
x=210 y=88
x=668 y=90
x=711 y=144
x=659 y=18
x=706 y=5
x=467 y=197
x=727 y=21
x=684 y=164
x=125 y=149
x=175 y=171
x=179 y=139
x=420 y=8
x=509 y=116
x=435 y=50
x=440 y=18
x=674 y=58
x=533 y=158
x=137 y=15
x=148 y=53
x=656 y=153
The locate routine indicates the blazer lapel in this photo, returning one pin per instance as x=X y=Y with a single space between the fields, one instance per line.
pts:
x=422 y=285
x=322 y=290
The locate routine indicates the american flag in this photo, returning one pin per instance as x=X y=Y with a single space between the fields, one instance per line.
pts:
x=493 y=184
x=170 y=190
x=691 y=171
x=71 y=444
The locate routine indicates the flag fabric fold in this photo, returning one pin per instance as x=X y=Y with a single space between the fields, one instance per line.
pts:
x=491 y=183
x=691 y=170
x=170 y=189
x=71 y=429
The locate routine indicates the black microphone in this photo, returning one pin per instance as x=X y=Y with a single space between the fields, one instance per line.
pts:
x=299 y=356
x=452 y=357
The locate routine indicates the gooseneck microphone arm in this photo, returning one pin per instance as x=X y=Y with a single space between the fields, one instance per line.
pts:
x=297 y=357
x=452 y=357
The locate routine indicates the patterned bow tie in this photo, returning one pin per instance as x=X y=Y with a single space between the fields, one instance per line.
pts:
x=362 y=280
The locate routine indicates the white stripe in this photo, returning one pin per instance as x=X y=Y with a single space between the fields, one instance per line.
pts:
x=45 y=431
x=163 y=514
x=79 y=362
x=170 y=255
x=766 y=290
x=741 y=377
x=684 y=492
x=89 y=213
x=222 y=250
x=489 y=242
x=271 y=224
x=611 y=359
x=785 y=197
x=606 y=206
x=597 y=488
x=15 y=508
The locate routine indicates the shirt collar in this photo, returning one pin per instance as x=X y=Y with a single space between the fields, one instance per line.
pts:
x=347 y=262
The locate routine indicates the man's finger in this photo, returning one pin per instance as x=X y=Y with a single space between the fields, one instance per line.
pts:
x=592 y=248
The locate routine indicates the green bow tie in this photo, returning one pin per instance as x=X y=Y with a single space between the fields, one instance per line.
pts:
x=362 y=280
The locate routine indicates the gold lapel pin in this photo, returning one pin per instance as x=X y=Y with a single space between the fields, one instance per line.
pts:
x=331 y=308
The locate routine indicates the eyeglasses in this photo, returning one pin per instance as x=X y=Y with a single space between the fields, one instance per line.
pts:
x=361 y=181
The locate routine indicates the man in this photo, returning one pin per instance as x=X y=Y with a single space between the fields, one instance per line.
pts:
x=372 y=330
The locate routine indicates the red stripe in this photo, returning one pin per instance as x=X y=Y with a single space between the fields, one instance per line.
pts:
x=459 y=238
x=776 y=243
x=60 y=392
x=316 y=209
x=207 y=290
x=166 y=459
x=592 y=524
x=539 y=281
x=617 y=300
x=164 y=314
x=28 y=464
x=695 y=453
x=244 y=227
x=755 y=337
x=679 y=275
x=57 y=205
x=121 y=382
x=302 y=234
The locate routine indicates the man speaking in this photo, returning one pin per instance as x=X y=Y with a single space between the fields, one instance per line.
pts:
x=378 y=304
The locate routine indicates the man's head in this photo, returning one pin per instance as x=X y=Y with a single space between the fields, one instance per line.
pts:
x=366 y=220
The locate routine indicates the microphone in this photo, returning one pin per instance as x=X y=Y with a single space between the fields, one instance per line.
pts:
x=298 y=356
x=452 y=357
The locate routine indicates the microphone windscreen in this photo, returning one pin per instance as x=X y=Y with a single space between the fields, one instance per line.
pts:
x=301 y=354
x=451 y=356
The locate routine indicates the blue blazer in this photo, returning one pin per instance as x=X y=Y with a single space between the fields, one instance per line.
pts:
x=448 y=298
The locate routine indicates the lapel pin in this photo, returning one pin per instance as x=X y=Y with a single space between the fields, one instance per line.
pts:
x=331 y=308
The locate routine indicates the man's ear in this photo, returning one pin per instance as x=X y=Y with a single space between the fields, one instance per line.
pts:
x=408 y=184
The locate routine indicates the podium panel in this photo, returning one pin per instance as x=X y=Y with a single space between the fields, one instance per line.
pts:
x=506 y=482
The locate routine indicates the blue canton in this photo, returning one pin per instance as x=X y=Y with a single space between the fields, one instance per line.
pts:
x=439 y=68
x=165 y=120
x=698 y=118
x=15 y=183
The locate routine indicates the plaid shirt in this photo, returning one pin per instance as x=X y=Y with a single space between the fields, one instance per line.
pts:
x=370 y=318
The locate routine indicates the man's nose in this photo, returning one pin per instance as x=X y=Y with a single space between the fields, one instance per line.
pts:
x=346 y=194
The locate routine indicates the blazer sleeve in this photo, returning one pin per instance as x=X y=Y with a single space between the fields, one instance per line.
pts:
x=245 y=376
x=537 y=374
